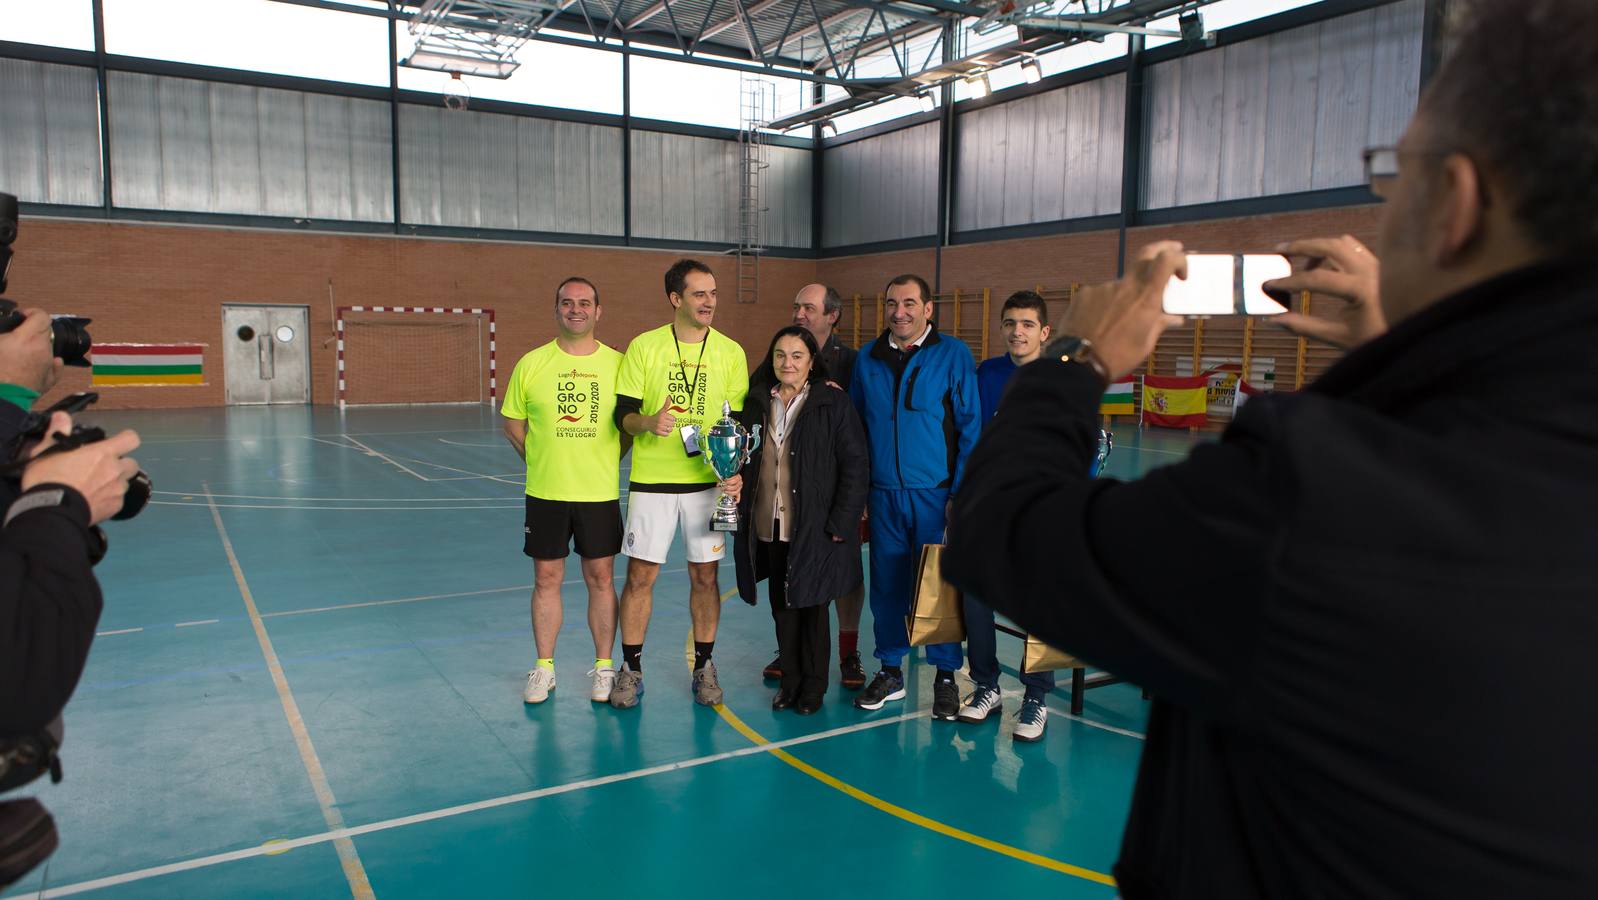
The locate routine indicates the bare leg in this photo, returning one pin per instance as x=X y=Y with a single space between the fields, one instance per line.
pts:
x=599 y=575
x=547 y=576
x=704 y=600
x=849 y=606
x=638 y=600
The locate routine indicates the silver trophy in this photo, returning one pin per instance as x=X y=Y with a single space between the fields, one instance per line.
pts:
x=1106 y=445
x=726 y=447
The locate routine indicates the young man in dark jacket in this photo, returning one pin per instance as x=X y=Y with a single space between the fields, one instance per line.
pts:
x=917 y=396
x=1369 y=608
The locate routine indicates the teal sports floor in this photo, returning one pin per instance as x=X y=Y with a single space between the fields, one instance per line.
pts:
x=308 y=680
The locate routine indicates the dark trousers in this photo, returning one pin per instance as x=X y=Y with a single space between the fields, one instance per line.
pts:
x=982 y=652
x=804 y=636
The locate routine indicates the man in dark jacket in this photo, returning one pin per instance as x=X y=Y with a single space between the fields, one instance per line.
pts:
x=1366 y=612
x=817 y=308
x=917 y=396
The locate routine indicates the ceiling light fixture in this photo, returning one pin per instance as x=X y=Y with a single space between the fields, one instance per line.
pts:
x=980 y=86
x=1031 y=70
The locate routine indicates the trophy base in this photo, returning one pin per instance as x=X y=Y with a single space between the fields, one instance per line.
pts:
x=719 y=525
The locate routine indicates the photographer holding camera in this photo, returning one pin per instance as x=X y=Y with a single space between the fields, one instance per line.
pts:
x=58 y=481
x=1364 y=612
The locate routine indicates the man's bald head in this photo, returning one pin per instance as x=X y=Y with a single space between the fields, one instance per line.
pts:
x=816 y=308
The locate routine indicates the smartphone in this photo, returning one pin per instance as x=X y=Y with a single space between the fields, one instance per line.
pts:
x=1228 y=284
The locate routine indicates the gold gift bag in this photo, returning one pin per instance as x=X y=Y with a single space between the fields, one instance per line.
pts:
x=935 y=616
x=1040 y=657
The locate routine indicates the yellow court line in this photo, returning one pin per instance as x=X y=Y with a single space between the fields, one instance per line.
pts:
x=899 y=812
x=354 y=872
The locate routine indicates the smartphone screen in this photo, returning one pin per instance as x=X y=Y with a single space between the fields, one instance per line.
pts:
x=1227 y=284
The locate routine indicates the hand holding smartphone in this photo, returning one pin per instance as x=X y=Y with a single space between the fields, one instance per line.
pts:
x=1228 y=284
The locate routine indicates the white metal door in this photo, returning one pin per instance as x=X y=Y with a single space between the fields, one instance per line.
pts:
x=264 y=355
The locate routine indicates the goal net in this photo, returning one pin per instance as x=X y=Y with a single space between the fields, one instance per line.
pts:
x=410 y=354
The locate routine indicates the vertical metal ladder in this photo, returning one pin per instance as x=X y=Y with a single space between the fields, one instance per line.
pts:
x=757 y=107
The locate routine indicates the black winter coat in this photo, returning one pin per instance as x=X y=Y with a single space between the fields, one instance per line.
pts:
x=831 y=477
x=1367 y=613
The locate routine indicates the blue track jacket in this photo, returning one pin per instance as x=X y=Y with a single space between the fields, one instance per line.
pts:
x=922 y=413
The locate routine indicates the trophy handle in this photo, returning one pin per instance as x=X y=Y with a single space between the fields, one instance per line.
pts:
x=754 y=443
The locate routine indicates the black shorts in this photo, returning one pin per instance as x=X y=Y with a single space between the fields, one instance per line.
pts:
x=554 y=525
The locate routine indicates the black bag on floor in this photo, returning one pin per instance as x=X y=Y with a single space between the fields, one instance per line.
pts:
x=27 y=838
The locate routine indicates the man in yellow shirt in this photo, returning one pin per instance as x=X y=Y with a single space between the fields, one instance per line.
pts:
x=674 y=380
x=560 y=416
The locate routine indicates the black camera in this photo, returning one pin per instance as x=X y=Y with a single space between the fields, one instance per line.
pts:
x=37 y=426
x=69 y=336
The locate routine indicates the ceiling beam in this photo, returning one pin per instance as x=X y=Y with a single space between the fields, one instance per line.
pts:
x=734 y=20
x=813 y=28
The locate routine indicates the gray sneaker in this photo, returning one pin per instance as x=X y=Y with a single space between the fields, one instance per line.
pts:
x=707 y=690
x=628 y=688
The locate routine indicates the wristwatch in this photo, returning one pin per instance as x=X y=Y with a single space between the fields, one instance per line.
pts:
x=1073 y=349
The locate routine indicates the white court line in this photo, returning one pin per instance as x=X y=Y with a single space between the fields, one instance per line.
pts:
x=201 y=439
x=1154 y=450
x=118 y=631
x=517 y=482
x=503 y=590
x=386 y=458
x=354 y=872
x=340 y=499
x=1065 y=715
x=201 y=622
x=344 y=834
x=463 y=444
x=329 y=508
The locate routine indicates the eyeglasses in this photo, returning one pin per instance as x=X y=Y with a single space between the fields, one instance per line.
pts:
x=1381 y=164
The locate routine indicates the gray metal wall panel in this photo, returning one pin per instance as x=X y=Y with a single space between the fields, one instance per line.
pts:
x=1050 y=156
x=235 y=149
x=882 y=188
x=605 y=200
x=282 y=154
x=787 y=197
x=1342 y=128
x=1243 y=134
x=687 y=188
x=486 y=170
x=497 y=171
x=1112 y=143
x=135 y=106
x=421 y=134
x=49 y=133
x=1199 y=150
x=1284 y=113
x=1394 y=71
x=372 y=158
x=185 y=129
x=1294 y=61
x=71 y=135
x=181 y=144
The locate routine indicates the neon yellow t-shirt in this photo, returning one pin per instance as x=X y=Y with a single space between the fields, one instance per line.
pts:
x=569 y=402
x=716 y=371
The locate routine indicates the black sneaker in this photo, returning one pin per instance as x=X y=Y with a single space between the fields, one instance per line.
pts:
x=882 y=688
x=945 y=699
x=854 y=674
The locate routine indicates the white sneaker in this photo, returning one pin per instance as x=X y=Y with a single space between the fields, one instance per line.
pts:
x=604 y=680
x=540 y=681
x=983 y=702
x=1029 y=725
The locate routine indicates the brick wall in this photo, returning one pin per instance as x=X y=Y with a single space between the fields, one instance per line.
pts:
x=160 y=283
x=163 y=283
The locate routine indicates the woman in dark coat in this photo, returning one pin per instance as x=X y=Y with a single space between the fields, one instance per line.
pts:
x=799 y=510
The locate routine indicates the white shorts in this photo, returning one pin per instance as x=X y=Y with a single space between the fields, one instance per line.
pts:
x=652 y=521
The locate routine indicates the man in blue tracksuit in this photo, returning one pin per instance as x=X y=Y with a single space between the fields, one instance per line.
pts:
x=916 y=391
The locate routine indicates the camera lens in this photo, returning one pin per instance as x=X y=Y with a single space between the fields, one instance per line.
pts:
x=71 y=339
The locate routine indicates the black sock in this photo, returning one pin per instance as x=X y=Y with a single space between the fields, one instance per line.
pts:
x=633 y=656
x=895 y=671
x=946 y=675
x=702 y=653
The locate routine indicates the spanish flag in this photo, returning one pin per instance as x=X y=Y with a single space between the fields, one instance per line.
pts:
x=147 y=364
x=1117 y=400
x=1175 y=402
